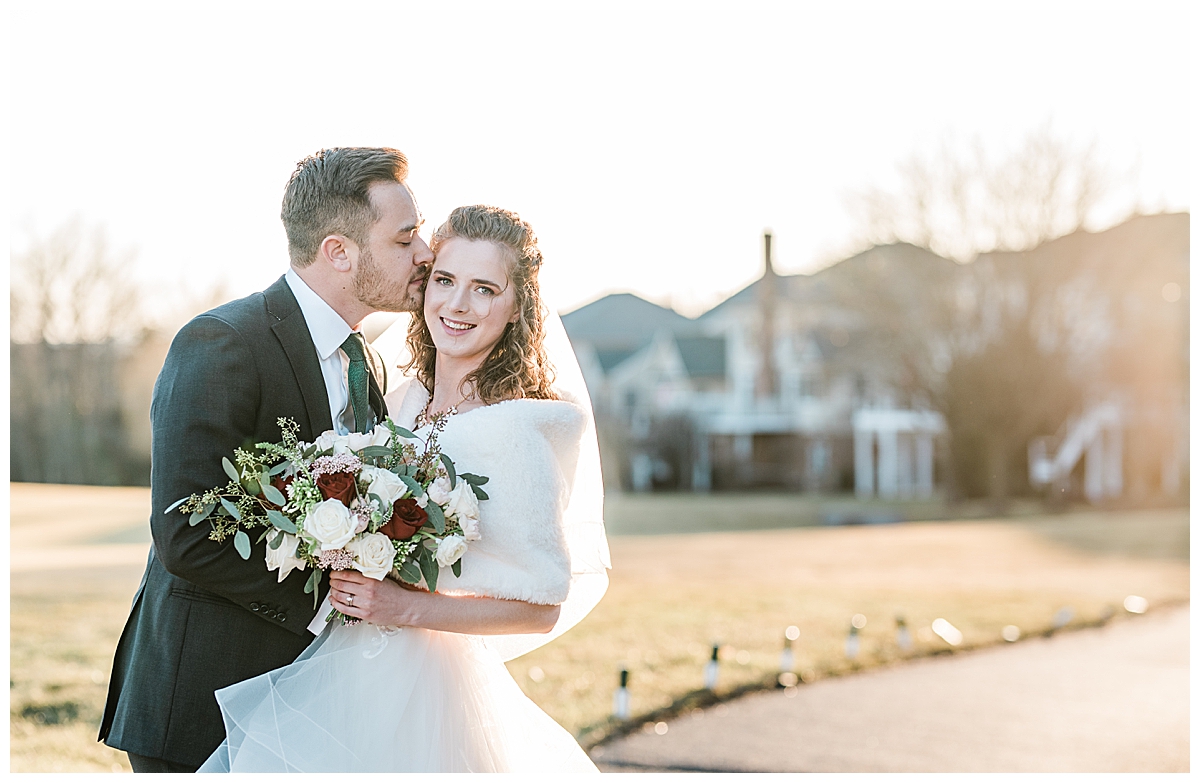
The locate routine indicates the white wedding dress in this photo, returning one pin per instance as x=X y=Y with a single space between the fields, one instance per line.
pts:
x=369 y=699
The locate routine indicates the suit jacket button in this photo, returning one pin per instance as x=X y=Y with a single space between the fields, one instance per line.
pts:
x=281 y=617
x=270 y=613
x=255 y=607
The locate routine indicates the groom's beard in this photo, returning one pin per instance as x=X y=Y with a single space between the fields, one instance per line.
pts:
x=375 y=290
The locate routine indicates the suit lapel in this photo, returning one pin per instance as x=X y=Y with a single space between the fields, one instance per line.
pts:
x=291 y=330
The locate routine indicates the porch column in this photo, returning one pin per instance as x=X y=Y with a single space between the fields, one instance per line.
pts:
x=864 y=463
x=889 y=467
x=924 y=465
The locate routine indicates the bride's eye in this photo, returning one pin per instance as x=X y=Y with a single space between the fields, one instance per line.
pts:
x=485 y=291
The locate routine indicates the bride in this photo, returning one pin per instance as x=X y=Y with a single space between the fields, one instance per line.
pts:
x=420 y=685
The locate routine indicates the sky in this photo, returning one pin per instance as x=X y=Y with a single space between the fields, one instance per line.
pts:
x=649 y=144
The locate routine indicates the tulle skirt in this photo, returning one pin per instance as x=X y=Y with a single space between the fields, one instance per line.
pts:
x=370 y=699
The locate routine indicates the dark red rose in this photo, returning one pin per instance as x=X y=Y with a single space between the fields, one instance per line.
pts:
x=407 y=519
x=340 y=486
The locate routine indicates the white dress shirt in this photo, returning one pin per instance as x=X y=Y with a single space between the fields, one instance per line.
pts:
x=328 y=332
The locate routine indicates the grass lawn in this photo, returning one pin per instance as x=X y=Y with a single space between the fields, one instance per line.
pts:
x=672 y=596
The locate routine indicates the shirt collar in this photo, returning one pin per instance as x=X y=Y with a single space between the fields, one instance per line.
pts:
x=327 y=328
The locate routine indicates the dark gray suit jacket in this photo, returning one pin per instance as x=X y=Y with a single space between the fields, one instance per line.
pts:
x=203 y=618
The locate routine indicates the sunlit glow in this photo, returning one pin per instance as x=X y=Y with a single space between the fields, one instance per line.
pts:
x=792 y=633
x=1010 y=633
x=1135 y=604
x=788 y=679
x=743 y=657
x=859 y=621
x=660 y=728
x=948 y=632
x=536 y=674
x=558 y=172
x=1171 y=292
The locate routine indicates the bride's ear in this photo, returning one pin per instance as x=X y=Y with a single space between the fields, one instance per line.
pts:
x=336 y=250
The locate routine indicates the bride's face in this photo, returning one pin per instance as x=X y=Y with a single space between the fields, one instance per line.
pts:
x=469 y=298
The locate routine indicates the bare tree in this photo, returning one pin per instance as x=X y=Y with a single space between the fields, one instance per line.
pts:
x=959 y=201
x=71 y=287
x=73 y=303
x=992 y=344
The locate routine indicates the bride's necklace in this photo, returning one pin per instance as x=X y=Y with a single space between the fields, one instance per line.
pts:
x=425 y=417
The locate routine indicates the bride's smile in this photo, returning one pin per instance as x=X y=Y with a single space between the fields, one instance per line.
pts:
x=469 y=299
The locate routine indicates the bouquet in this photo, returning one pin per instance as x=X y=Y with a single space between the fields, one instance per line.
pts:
x=372 y=502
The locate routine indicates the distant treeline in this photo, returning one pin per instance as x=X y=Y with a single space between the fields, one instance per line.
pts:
x=68 y=423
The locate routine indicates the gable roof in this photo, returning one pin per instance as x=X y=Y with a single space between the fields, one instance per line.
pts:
x=703 y=357
x=621 y=321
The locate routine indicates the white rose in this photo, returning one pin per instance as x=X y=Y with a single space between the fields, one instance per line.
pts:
x=331 y=524
x=450 y=550
x=439 y=490
x=283 y=558
x=470 y=528
x=331 y=440
x=462 y=503
x=373 y=554
x=357 y=441
x=386 y=484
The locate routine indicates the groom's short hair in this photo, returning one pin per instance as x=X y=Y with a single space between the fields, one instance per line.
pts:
x=329 y=194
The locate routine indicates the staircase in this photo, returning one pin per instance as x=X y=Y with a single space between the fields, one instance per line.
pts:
x=1094 y=437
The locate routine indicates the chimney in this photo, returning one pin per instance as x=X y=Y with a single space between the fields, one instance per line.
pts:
x=768 y=293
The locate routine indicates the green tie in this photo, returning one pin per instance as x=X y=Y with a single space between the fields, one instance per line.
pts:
x=356 y=377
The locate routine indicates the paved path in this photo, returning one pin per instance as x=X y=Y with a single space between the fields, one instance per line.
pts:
x=1111 y=699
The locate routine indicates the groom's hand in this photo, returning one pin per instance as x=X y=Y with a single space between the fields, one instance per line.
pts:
x=381 y=602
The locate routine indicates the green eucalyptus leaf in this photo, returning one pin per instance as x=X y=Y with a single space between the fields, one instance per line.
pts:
x=275 y=542
x=281 y=467
x=230 y=470
x=479 y=493
x=429 y=570
x=456 y=567
x=404 y=433
x=473 y=478
x=449 y=463
x=241 y=542
x=281 y=521
x=412 y=485
x=232 y=509
x=436 y=517
x=265 y=533
x=274 y=495
x=376 y=451
x=201 y=515
x=251 y=485
x=410 y=572
x=314 y=579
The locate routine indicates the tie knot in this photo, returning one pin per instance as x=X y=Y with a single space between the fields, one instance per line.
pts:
x=354 y=349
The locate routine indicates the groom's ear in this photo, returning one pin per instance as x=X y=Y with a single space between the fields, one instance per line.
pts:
x=336 y=250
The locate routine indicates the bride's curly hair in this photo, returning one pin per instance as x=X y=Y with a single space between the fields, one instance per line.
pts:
x=517 y=366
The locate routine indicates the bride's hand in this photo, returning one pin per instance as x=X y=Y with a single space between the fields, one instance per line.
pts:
x=380 y=602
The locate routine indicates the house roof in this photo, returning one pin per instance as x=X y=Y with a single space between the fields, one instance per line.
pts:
x=621 y=322
x=702 y=356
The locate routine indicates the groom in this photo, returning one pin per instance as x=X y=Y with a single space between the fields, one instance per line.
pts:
x=204 y=618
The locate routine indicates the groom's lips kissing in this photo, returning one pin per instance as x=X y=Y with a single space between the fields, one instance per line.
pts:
x=455 y=328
